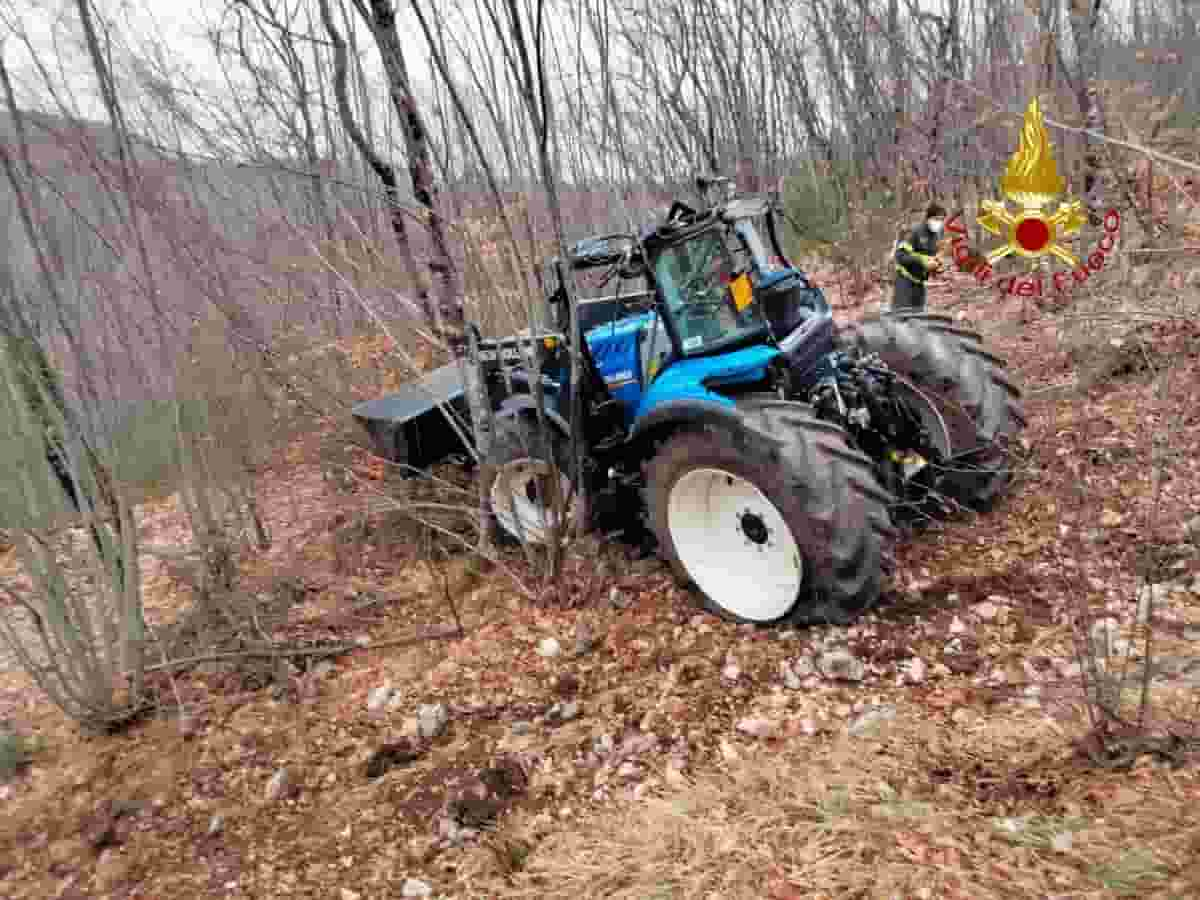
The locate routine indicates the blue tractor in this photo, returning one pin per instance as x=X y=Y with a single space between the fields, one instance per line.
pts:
x=764 y=452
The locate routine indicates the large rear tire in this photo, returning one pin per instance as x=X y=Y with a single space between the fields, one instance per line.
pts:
x=977 y=404
x=776 y=520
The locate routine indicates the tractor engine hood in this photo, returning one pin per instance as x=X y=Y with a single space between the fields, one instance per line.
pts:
x=695 y=379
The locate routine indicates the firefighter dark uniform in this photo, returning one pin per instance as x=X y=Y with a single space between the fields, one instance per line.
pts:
x=916 y=258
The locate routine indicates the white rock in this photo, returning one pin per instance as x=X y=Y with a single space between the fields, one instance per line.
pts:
x=277 y=786
x=563 y=712
x=431 y=720
x=415 y=887
x=791 y=680
x=757 y=727
x=215 y=825
x=957 y=626
x=1063 y=842
x=731 y=672
x=379 y=697
x=549 y=647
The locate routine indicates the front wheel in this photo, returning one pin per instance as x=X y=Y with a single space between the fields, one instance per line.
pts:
x=529 y=490
x=778 y=520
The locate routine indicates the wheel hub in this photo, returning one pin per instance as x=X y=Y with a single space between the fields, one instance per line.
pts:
x=735 y=544
x=522 y=498
x=753 y=527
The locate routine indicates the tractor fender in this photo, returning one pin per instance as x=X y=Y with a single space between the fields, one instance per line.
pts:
x=685 y=411
x=524 y=405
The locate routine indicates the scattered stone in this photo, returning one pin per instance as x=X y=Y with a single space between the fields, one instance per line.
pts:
x=791 y=680
x=563 y=712
x=617 y=599
x=431 y=720
x=870 y=719
x=522 y=727
x=379 y=697
x=731 y=672
x=957 y=626
x=278 y=786
x=1191 y=634
x=549 y=648
x=757 y=727
x=415 y=887
x=347 y=894
x=841 y=665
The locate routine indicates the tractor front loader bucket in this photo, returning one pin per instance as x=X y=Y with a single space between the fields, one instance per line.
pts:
x=409 y=427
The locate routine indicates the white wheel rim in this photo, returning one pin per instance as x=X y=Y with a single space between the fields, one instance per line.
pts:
x=518 y=499
x=735 y=544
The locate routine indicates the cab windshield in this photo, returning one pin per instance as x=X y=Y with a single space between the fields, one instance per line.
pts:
x=706 y=282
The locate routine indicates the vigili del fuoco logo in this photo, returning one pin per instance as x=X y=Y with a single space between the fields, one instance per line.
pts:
x=1031 y=183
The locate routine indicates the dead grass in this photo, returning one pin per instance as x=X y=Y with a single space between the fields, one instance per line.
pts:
x=858 y=817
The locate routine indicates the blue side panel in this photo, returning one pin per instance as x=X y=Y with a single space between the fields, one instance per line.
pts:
x=684 y=379
x=614 y=346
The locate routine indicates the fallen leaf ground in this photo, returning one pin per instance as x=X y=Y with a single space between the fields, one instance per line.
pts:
x=956 y=767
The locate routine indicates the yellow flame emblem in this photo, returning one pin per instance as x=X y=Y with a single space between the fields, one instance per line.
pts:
x=1031 y=181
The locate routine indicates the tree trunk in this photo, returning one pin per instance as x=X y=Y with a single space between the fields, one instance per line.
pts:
x=1085 y=19
x=449 y=306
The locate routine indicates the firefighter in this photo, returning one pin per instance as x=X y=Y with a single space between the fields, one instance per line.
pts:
x=916 y=260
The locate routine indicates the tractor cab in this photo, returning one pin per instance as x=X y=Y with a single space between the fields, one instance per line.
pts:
x=699 y=289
